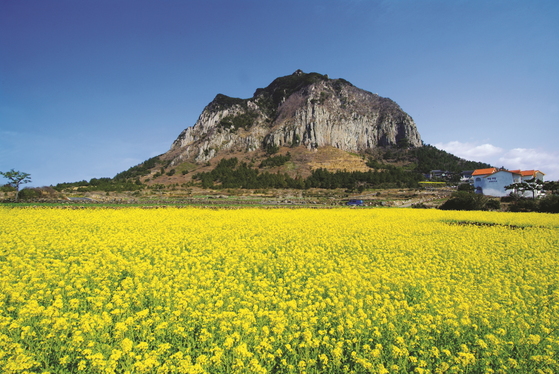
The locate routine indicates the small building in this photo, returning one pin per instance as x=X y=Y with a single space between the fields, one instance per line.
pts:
x=492 y=181
x=440 y=174
x=466 y=176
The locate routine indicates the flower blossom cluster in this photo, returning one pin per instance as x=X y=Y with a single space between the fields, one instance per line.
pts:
x=278 y=291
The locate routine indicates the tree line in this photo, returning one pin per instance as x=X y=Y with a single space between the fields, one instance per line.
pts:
x=230 y=173
x=430 y=158
x=102 y=184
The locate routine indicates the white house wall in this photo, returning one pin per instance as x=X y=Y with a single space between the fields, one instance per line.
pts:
x=539 y=175
x=494 y=184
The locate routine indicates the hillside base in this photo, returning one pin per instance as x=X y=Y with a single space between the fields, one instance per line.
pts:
x=265 y=197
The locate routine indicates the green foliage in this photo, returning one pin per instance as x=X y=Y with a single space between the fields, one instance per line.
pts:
x=533 y=185
x=374 y=164
x=463 y=200
x=229 y=173
x=31 y=193
x=272 y=149
x=551 y=186
x=28 y=193
x=16 y=178
x=7 y=188
x=493 y=204
x=547 y=204
x=284 y=87
x=128 y=180
x=390 y=176
x=221 y=102
x=101 y=184
x=275 y=161
x=281 y=88
x=339 y=83
x=140 y=170
x=524 y=205
x=431 y=158
x=243 y=120
x=466 y=187
x=404 y=143
x=185 y=167
x=99 y=181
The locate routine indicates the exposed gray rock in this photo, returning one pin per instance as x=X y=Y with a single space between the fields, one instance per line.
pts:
x=301 y=109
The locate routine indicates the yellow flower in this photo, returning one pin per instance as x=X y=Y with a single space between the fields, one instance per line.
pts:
x=126 y=345
x=337 y=353
x=197 y=290
x=534 y=339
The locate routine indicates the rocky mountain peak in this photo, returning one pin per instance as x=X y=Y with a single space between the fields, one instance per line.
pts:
x=302 y=109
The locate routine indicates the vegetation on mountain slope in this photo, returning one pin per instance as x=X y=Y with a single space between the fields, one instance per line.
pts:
x=389 y=167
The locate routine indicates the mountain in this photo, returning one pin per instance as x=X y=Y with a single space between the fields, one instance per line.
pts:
x=301 y=131
x=297 y=132
x=299 y=110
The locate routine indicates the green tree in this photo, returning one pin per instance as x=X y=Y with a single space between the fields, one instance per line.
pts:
x=552 y=187
x=465 y=187
x=533 y=185
x=403 y=143
x=463 y=200
x=549 y=204
x=272 y=149
x=16 y=178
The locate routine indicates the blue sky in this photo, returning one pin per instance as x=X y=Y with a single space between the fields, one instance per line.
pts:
x=90 y=88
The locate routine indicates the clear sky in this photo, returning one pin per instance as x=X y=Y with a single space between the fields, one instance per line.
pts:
x=90 y=88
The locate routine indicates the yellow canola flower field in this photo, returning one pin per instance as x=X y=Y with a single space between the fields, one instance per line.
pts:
x=278 y=291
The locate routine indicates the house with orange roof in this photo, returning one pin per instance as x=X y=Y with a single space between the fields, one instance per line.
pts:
x=487 y=171
x=530 y=174
x=492 y=181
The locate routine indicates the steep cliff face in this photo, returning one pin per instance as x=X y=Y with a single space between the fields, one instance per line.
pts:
x=301 y=109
